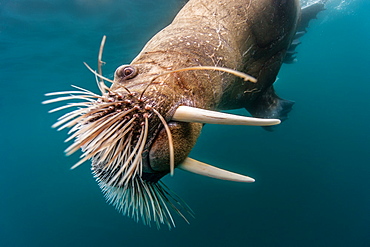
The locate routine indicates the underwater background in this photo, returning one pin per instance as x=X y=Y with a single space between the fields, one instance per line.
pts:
x=312 y=174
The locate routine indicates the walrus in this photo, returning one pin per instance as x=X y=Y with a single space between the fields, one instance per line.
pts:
x=215 y=55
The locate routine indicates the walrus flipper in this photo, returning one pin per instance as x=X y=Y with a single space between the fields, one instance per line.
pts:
x=308 y=13
x=270 y=105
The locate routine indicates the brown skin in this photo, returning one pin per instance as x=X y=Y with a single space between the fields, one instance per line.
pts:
x=251 y=36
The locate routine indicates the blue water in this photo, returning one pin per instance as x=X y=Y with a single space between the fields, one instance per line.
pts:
x=312 y=174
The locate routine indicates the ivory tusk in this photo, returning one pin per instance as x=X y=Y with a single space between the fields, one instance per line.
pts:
x=197 y=115
x=204 y=169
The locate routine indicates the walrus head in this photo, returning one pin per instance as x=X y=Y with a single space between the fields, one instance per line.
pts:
x=137 y=131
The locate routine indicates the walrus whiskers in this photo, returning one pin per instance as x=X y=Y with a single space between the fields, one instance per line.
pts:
x=108 y=139
x=101 y=76
x=101 y=83
x=95 y=136
x=170 y=142
x=130 y=169
x=245 y=77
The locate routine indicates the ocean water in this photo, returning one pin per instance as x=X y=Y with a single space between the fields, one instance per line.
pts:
x=312 y=174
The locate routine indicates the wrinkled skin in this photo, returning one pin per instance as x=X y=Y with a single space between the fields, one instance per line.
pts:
x=249 y=36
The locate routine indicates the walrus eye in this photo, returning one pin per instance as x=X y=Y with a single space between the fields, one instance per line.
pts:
x=126 y=72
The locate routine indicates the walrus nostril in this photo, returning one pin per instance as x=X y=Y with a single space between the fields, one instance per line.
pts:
x=126 y=72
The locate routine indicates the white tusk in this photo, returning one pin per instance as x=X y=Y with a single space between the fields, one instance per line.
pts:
x=197 y=115
x=204 y=169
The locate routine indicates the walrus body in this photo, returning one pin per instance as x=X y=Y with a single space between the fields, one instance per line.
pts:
x=248 y=36
x=126 y=131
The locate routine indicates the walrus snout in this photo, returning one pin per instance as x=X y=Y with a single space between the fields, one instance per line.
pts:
x=157 y=163
x=184 y=136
